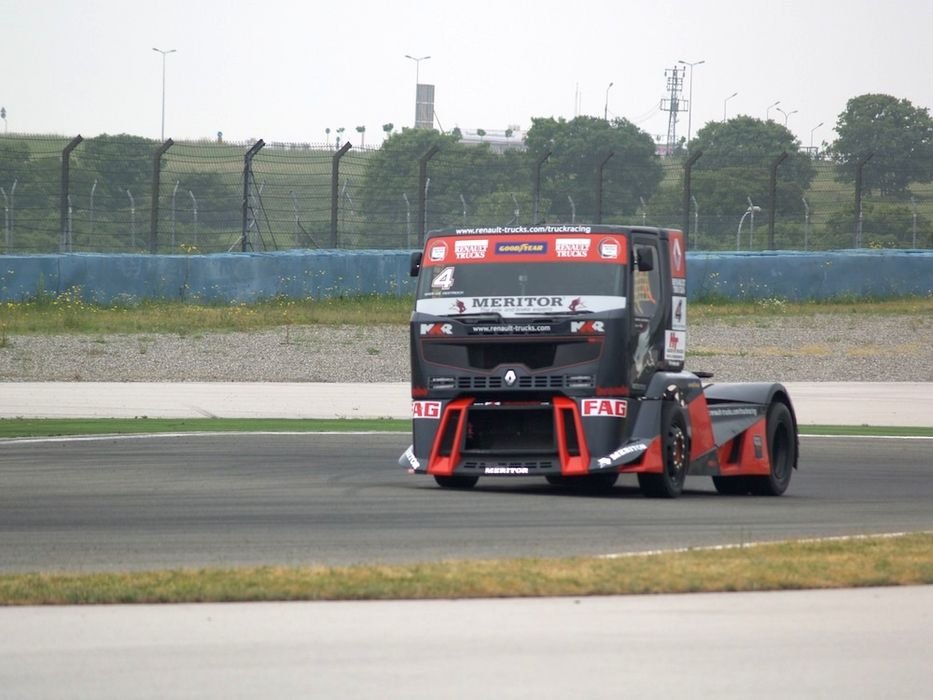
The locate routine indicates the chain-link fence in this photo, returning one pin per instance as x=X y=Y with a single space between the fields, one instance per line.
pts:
x=129 y=194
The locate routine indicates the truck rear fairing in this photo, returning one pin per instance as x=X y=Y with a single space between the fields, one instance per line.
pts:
x=546 y=350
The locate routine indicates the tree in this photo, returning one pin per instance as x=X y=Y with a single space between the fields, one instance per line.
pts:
x=736 y=166
x=120 y=162
x=884 y=225
x=577 y=147
x=898 y=134
x=461 y=176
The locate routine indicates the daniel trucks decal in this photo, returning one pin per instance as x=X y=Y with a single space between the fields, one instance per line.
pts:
x=519 y=305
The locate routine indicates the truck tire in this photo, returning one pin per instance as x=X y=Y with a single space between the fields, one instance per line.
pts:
x=456 y=482
x=782 y=450
x=676 y=450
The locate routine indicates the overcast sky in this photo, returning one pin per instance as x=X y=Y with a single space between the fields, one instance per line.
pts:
x=285 y=71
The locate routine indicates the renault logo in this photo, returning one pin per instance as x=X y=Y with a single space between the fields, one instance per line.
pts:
x=510 y=377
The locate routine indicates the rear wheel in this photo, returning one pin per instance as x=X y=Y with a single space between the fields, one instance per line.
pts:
x=456 y=482
x=676 y=450
x=782 y=449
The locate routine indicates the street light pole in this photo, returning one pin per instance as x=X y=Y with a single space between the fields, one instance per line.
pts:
x=725 y=102
x=768 y=111
x=164 y=54
x=811 y=135
x=690 y=97
x=417 y=60
x=786 y=114
x=606 y=106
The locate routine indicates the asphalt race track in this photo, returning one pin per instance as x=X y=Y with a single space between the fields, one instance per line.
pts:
x=227 y=500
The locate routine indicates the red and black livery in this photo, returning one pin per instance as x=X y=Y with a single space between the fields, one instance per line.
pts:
x=558 y=352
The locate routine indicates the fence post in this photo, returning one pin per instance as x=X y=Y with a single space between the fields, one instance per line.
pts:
x=247 y=176
x=772 y=197
x=859 y=167
x=154 y=209
x=537 y=192
x=598 y=218
x=422 y=192
x=66 y=155
x=334 y=186
x=688 y=194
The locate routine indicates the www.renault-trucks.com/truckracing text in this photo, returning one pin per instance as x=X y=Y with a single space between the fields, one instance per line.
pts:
x=558 y=352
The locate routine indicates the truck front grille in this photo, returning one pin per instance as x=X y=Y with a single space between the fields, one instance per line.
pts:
x=538 y=381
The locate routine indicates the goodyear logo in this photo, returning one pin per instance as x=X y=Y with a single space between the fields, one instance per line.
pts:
x=524 y=248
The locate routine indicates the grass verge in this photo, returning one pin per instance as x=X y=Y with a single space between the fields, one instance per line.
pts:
x=59 y=427
x=69 y=313
x=56 y=427
x=859 y=562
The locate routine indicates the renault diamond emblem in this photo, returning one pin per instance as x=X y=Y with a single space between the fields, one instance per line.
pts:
x=510 y=377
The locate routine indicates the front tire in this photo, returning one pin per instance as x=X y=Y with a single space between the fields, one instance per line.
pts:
x=456 y=482
x=782 y=450
x=676 y=450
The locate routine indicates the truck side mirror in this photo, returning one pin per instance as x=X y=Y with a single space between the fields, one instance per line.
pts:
x=415 y=264
x=645 y=259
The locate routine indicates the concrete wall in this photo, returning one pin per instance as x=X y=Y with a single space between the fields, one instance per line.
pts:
x=246 y=277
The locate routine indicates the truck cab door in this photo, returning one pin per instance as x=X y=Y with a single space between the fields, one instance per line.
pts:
x=647 y=311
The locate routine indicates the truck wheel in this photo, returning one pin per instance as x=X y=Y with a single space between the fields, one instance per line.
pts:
x=676 y=450
x=456 y=482
x=782 y=449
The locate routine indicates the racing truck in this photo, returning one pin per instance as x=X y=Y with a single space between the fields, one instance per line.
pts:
x=558 y=351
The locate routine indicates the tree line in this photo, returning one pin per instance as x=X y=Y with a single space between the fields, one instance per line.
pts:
x=474 y=183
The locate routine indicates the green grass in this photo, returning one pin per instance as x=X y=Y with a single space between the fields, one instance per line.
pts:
x=68 y=313
x=56 y=427
x=872 y=561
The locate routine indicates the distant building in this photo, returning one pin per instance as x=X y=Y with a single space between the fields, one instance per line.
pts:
x=499 y=140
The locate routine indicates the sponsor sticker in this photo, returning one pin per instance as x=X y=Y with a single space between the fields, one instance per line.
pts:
x=437 y=329
x=572 y=247
x=678 y=260
x=438 y=252
x=679 y=285
x=622 y=452
x=587 y=327
x=426 y=409
x=471 y=250
x=522 y=248
x=510 y=329
x=679 y=313
x=731 y=411
x=526 y=303
x=611 y=408
x=409 y=455
x=609 y=248
x=675 y=346
x=505 y=470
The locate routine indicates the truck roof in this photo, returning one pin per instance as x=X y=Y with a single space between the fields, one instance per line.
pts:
x=569 y=229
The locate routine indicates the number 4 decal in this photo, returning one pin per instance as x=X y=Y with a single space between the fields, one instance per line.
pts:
x=444 y=279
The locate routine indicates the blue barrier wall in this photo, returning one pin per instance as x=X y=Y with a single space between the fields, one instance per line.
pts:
x=247 y=277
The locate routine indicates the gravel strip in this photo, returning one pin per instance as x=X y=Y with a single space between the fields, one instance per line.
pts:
x=827 y=347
